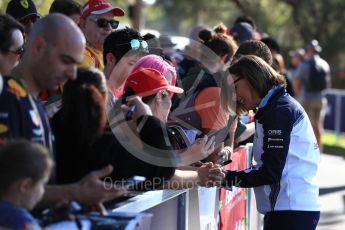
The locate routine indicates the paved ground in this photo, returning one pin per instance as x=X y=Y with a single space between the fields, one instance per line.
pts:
x=332 y=193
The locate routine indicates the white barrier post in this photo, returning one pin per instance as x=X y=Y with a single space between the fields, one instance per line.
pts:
x=255 y=219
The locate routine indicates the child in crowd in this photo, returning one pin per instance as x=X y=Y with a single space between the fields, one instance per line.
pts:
x=24 y=170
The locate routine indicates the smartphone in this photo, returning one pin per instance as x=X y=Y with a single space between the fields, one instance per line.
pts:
x=128 y=92
x=130 y=112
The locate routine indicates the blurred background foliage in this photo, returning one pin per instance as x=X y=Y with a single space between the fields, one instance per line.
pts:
x=291 y=22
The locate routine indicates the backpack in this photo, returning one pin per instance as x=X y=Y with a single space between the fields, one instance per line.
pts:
x=185 y=113
x=317 y=77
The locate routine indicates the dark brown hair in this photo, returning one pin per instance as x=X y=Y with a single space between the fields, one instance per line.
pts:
x=118 y=43
x=251 y=47
x=260 y=75
x=218 y=41
x=66 y=7
x=21 y=159
x=83 y=105
x=7 y=25
x=257 y=48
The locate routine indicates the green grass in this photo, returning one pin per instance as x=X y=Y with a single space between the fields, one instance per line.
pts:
x=332 y=145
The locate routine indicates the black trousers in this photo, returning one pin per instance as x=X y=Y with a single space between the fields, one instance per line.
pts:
x=291 y=220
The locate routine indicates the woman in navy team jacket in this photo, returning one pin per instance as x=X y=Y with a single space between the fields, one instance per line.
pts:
x=284 y=149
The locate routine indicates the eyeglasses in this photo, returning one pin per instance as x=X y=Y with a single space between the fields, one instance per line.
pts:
x=237 y=80
x=102 y=22
x=19 y=51
x=31 y=18
x=234 y=83
x=136 y=44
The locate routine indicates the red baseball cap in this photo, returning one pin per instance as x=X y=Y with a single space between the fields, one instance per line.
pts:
x=146 y=81
x=99 y=7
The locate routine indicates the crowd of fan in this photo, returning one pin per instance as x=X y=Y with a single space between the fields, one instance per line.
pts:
x=81 y=100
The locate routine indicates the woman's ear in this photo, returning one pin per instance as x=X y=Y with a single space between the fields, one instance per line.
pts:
x=159 y=98
x=225 y=58
x=162 y=95
x=226 y=61
x=111 y=60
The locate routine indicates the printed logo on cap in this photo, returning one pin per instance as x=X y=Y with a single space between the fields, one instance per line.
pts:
x=24 y=4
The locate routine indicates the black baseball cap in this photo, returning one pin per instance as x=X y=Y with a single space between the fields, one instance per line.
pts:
x=20 y=9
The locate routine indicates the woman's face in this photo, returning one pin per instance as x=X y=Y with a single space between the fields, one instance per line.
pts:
x=245 y=94
x=161 y=104
x=10 y=59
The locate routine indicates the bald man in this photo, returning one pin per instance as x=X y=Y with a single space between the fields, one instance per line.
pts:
x=54 y=49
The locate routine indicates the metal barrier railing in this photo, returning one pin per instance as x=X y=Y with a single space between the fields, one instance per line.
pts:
x=334 y=122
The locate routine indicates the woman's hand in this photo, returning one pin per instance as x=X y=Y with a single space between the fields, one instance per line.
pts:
x=224 y=155
x=216 y=175
x=200 y=149
x=210 y=175
x=141 y=109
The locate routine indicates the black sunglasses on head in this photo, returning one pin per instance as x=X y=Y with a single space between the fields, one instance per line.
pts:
x=102 y=22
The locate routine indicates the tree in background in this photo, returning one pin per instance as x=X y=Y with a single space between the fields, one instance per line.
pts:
x=323 y=20
x=292 y=22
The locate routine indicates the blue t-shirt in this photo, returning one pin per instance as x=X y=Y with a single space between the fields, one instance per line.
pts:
x=16 y=218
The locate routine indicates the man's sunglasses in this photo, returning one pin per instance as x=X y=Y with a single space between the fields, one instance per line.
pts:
x=102 y=22
x=31 y=18
x=19 y=51
x=136 y=44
